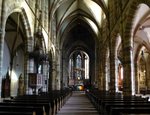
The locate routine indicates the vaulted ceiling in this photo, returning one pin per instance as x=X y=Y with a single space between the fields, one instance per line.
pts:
x=91 y=11
x=78 y=23
x=15 y=35
x=141 y=28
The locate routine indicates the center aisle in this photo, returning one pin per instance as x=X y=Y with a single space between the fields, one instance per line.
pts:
x=78 y=104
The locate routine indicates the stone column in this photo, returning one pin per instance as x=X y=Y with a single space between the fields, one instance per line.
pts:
x=127 y=64
x=2 y=35
x=102 y=71
x=136 y=77
x=107 y=73
x=58 y=73
x=112 y=57
x=65 y=73
x=45 y=75
x=100 y=80
x=112 y=73
x=54 y=74
x=105 y=69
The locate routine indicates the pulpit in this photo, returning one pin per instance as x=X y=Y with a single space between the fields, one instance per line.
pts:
x=35 y=82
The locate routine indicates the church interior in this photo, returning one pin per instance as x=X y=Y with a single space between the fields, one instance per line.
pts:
x=55 y=48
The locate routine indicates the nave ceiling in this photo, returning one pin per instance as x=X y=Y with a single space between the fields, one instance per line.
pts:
x=78 y=23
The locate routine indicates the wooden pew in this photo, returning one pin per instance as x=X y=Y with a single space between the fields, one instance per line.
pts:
x=129 y=110
x=123 y=102
x=133 y=114
x=15 y=113
x=51 y=102
x=46 y=106
x=100 y=100
x=109 y=106
x=21 y=109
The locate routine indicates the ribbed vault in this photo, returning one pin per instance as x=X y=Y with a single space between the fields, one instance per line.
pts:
x=78 y=24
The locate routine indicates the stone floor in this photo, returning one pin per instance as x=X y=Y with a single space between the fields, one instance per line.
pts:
x=78 y=104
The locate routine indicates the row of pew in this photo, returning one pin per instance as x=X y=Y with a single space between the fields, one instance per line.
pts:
x=108 y=104
x=47 y=104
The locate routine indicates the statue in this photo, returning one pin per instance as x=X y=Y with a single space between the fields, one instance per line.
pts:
x=20 y=85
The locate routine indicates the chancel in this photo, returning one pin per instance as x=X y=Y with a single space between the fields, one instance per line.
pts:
x=68 y=57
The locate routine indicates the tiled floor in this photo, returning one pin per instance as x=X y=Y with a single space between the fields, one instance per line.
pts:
x=78 y=104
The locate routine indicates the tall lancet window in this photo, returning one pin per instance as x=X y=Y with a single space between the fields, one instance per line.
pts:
x=78 y=61
x=86 y=67
x=78 y=67
x=71 y=68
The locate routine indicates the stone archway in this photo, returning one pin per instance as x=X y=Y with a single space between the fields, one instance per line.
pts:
x=127 y=43
x=15 y=49
x=26 y=34
x=78 y=70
